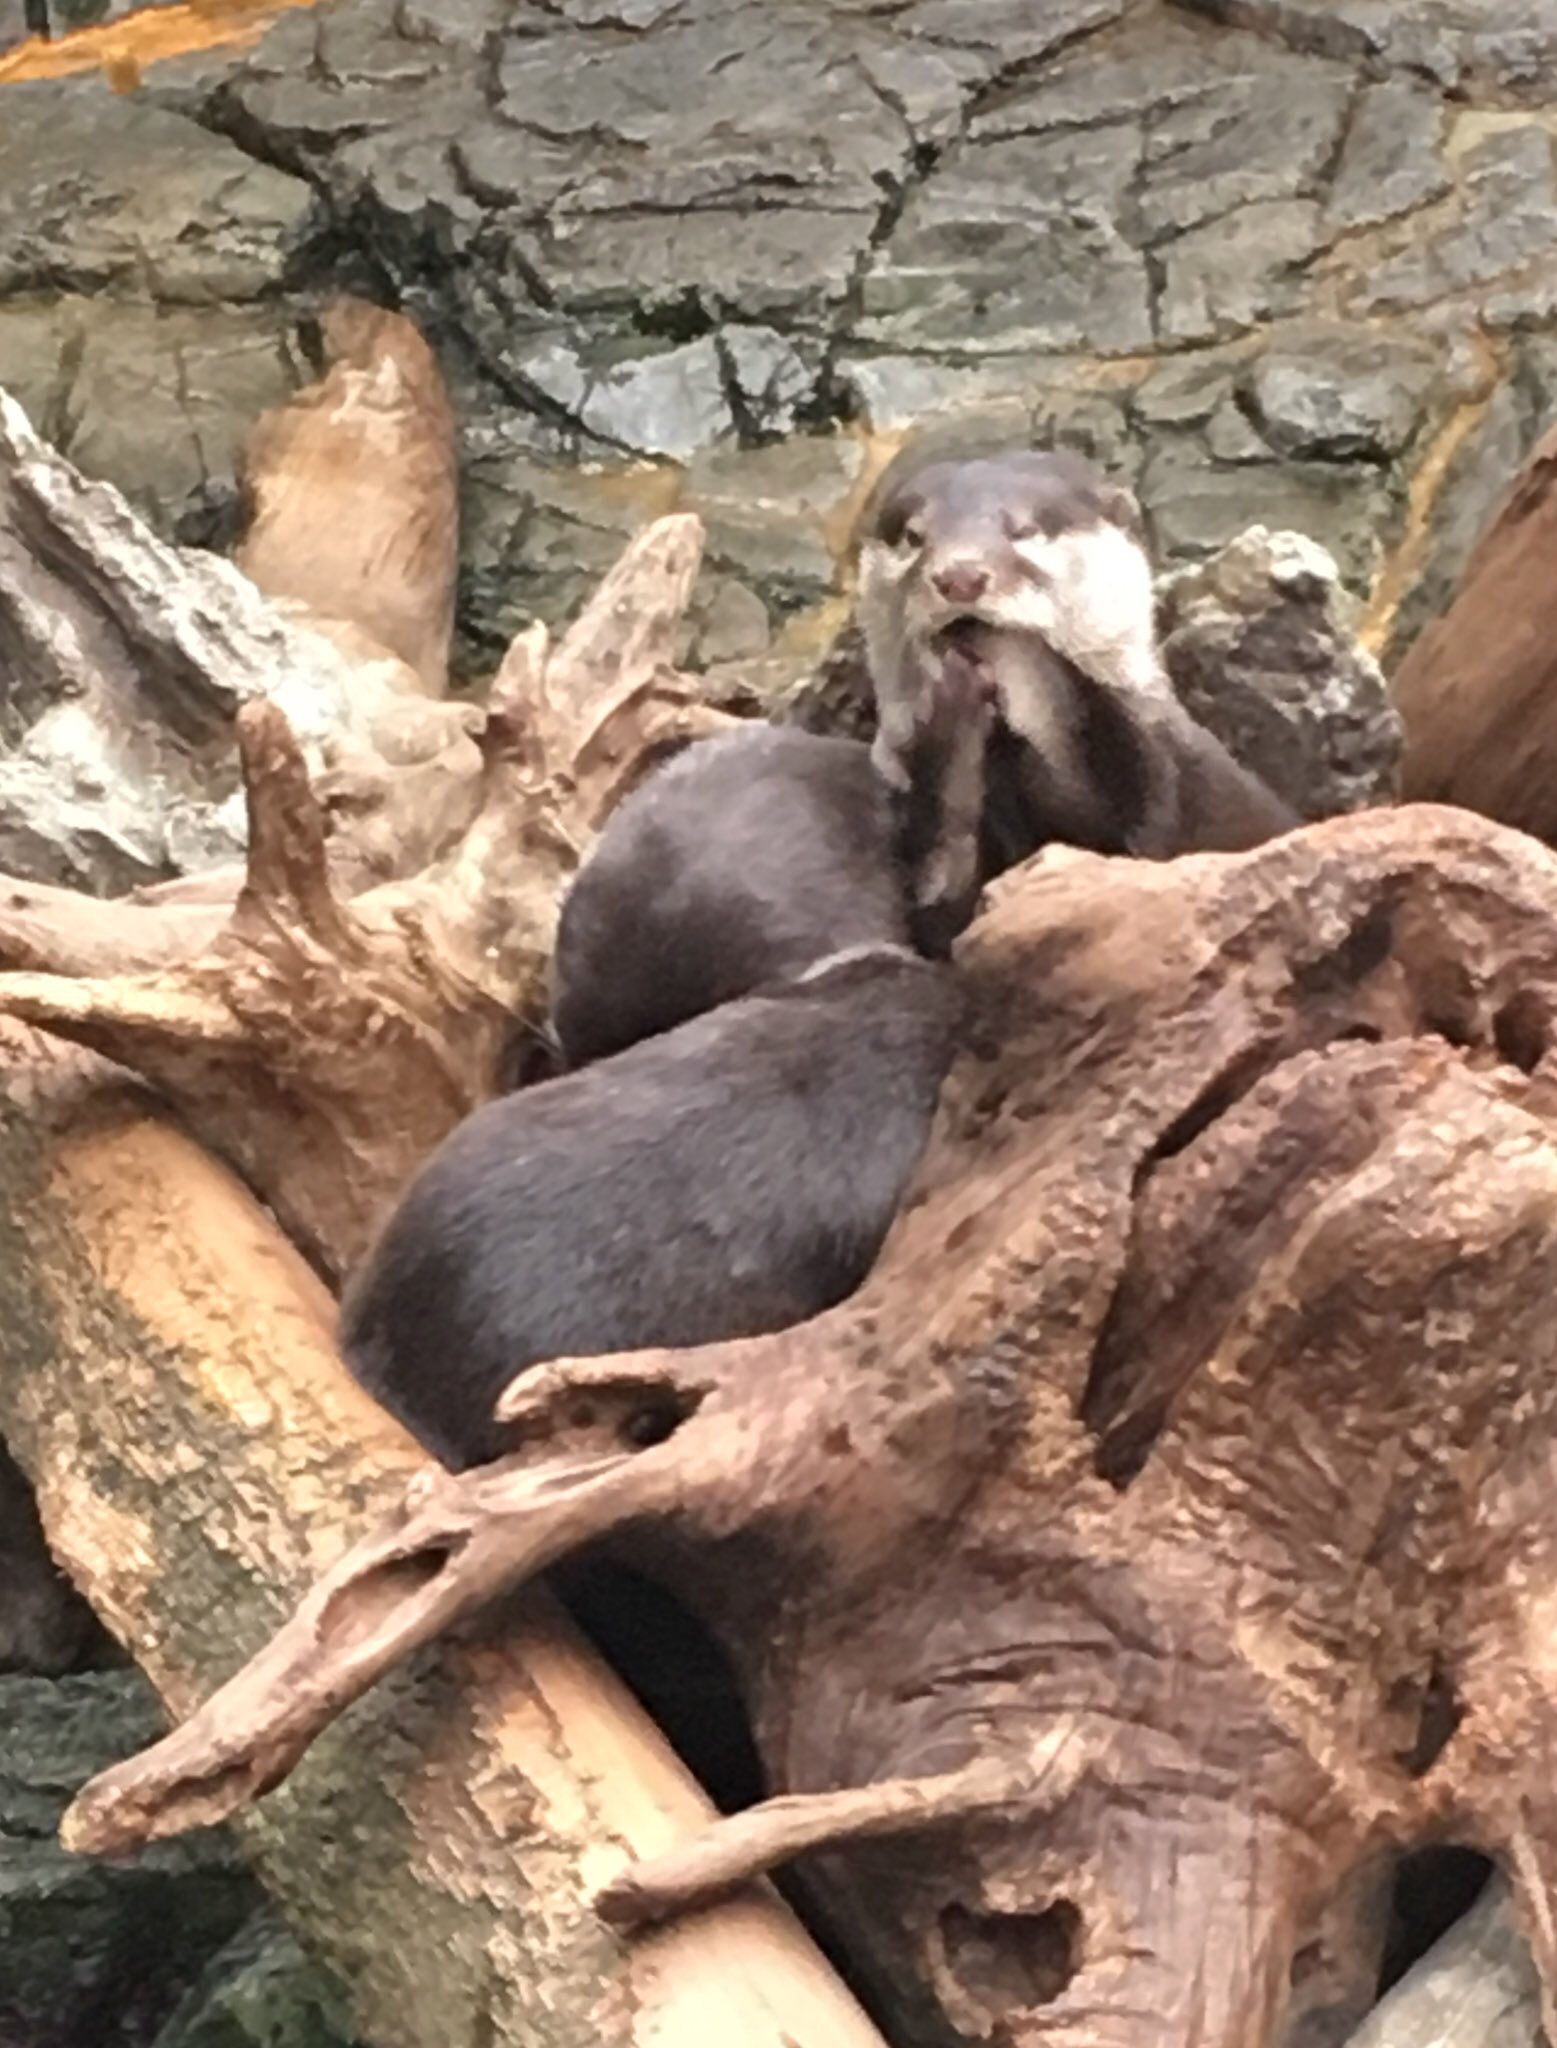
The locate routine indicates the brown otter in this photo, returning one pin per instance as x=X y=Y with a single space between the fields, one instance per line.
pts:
x=1029 y=569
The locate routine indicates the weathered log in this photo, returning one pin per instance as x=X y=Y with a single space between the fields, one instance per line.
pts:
x=167 y=1378
x=1476 y=1988
x=1478 y=689
x=352 y=490
x=258 y=1038
x=125 y=661
x=1201 y=1406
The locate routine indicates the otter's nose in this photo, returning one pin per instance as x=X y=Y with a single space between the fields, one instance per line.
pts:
x=961 y=582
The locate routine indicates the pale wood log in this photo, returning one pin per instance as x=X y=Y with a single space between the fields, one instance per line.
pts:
x=352 y=490
x=167 y=1379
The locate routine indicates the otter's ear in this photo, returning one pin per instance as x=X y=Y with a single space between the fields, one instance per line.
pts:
x=1122 y=508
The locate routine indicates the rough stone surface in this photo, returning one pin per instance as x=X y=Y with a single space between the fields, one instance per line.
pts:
x=1392 y=159
x=95 y=1956
x=1196 y=504
x=1247 y=251
x=1341 y=390
x=1260 y=650
x=208 y=226
x=1464 y=45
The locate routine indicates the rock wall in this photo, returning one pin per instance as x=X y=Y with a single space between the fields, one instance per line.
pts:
x=178 y=1950
x=1286 y=260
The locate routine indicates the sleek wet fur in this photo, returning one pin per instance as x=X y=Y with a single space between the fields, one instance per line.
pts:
x=744 y=860
x=728 y=1177
x=1022 y=576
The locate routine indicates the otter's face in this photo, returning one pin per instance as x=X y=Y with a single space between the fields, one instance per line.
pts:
x=1030 y=542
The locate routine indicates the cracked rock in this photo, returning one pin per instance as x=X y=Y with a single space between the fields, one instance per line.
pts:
x=104 y=192
x=1392 y=160
x=1339 y=390
x=1259 y=647
x=1507 y=219
x=1012 y=246
x=1464 y=46
x=1231 y=274
x=1196 y=505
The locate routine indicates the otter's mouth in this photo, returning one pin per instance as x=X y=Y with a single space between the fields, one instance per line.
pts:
x=966 y=638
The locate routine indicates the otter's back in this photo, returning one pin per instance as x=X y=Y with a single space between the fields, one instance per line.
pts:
x=744 y=860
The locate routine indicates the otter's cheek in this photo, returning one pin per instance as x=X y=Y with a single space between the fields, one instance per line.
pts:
x=1031 y=607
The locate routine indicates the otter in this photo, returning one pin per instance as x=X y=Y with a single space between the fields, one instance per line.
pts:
x=1027 y=570
x=740 y=862
x=727 y=1177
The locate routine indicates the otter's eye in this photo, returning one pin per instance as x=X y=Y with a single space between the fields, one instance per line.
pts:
x=912 y=536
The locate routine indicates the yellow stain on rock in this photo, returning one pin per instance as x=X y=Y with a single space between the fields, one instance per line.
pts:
x=122 y=49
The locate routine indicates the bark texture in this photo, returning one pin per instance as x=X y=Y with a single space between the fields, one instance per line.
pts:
x=168 y=1380
x=324 y=1045
x=1477 y=691
x=1165 y=1529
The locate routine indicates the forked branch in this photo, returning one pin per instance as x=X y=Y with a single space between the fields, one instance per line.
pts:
x=323 y=1046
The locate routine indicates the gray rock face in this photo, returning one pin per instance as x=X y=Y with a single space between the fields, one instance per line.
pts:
x=1336 y=390
x=1391 y=162
x=211 y=226
x=1243 y=249
x=1259 y=650
x=1462 y=45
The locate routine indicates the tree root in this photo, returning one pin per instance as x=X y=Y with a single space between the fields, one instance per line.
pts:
x=1199 y=1400
x=732 y=1852
x=325 y=1046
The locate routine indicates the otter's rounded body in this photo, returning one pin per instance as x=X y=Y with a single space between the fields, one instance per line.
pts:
x=730 y=1176
x=744 y=860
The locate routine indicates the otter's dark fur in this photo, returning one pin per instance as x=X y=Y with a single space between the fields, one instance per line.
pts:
x=744 y=860
x=728 y=1177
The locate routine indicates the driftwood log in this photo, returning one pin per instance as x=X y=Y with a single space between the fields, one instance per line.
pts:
x=166 y=1373
x=1478 y=689
x=262 y=1034
x=1164 y=1528
x=168 y=1379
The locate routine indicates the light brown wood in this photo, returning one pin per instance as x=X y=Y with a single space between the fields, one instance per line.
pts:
x=352 y=490
x=1477 y=692
x=167 y=1378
